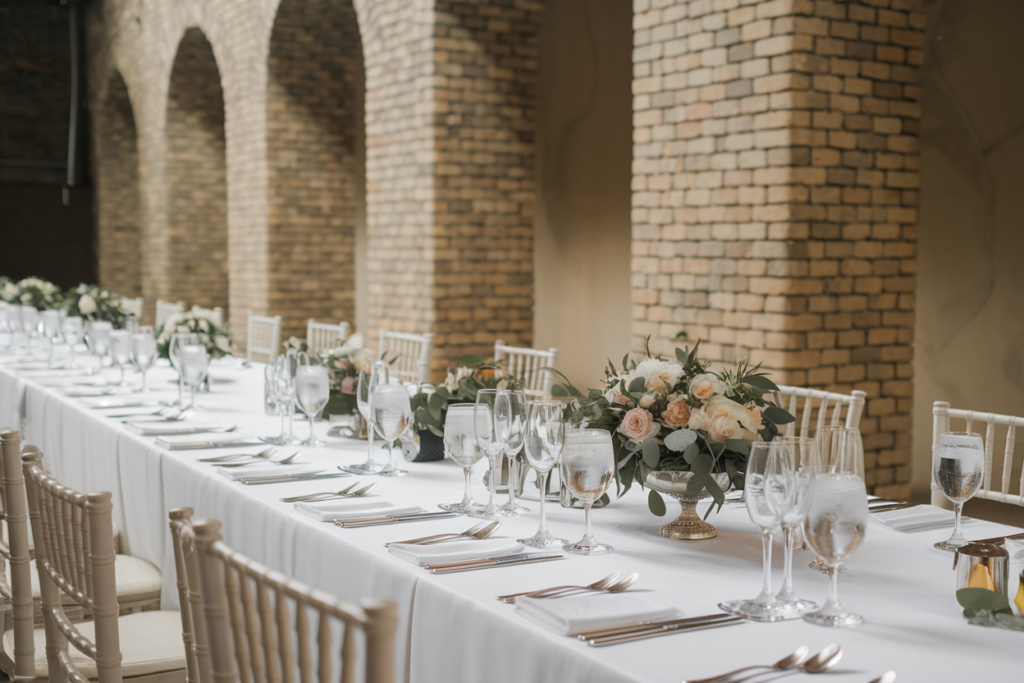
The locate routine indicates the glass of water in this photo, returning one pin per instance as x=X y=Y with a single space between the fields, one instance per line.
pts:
x=460 y=443
x=120 y=351
x=545 y=438
x=392 y=414
x=588 y=461
x=143 y=350
x=312 y=389
x=179 y=340
x=958 y=465
x=195 y=362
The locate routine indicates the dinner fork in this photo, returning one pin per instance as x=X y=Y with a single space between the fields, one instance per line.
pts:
x=420 y=541
x=606 y=581
x=322 y=494
x=358 y=493
x=479 y=535
x=614 y=588
x=282 y=461
x=235 y=456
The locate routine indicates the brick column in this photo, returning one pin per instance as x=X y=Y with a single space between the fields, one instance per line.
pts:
x=775 y=192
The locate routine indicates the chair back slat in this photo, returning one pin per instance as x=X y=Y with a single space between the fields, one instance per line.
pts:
x=997 y=481
x=322 y=337
x=132 y=306
x=525 y=365
x=214 y=315
x=239 y=634
x=74 y=556
x=166 y=309
x=263 y=338
x=305 y=651
x=17 y=554
x=413 y=354
x=218 y=561
x=190 y=599
x=802 y=405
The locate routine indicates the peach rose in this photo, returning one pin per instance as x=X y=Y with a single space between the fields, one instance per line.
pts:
x=724 y=427
x=658 y=383
x=676 y=415
x=638 y=424
x=704 y=387
x=754 y=413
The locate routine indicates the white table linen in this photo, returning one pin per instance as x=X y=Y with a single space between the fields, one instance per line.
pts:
x=456 y=551
x=594 y=611
x=450 y=626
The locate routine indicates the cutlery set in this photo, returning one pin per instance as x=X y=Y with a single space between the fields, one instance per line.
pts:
x=489 y=562
x=346 y=492
x=608 y=584
x=478 y=532
x=378 y=520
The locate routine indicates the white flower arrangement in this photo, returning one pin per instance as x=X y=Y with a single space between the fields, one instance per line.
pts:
x=215 y=338
x=95 y=303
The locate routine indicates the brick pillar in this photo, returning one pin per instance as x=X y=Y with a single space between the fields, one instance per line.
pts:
x=775 y=193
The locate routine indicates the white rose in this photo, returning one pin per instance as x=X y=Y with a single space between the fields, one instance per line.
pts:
x=10 y=290
x=647 y=400
x=724 y=427
x=26 y=297
x=705 y=386
x=87 y=305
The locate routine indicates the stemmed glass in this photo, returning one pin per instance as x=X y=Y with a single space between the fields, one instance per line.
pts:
x=787 y=496
x=588 y=461
x=195 y=361
x=51 y=330
x=121 y=352
x=30 y=323
x=764 y=469
x=98 y=339
x=72 y=329
x=958 y=466
x=312 y=389
x=513 y=441
x=491 y=415
x=143 y=351
x=460 y=444
x=280 y=375
x=178 y=341
x=377 y=376
x=270 y=403
x=392 y=413
x=838 y=449
x=545 y=438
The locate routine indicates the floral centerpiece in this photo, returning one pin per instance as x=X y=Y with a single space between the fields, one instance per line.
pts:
x=34 y=291
x=95 y=303
x=214 y=337
x=296 y=344
x=343 y=367
x=679 y=427
x=8 y=290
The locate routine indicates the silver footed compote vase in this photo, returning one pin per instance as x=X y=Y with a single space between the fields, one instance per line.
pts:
x=688 y=526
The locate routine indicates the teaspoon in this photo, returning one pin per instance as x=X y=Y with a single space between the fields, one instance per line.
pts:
x=785 y=664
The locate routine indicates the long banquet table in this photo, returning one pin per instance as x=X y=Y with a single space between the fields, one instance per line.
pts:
x=450 y=626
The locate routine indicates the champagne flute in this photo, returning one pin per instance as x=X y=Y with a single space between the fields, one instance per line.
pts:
x=513 y=444
x=143 y=351
x=545 y=438
x=312 y=389
x=764 y=468
x=195 y=362
x=460 y=443
x=178 y=341
x=392 y=413
x=589 y=464
x=787 y=495
x=490 y=420
x=121 y=351
x=958 y=466
x=377 y=376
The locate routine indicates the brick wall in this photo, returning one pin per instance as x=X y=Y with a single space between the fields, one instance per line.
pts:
x=774 y=208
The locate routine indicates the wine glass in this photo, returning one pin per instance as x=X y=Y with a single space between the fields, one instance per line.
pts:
x=195 y=362
x=72 y=330
x=764 y=469
x=377 y=376
x=490 y=419
x=545 y=438
x=271 y=406
x=392 y=413
x=838 y=449
x=98 y=338
x=30 y=323
x=513 y=441
x=121 y=351
x=280 y=387
x=786 y=493
x=460 y=444
x=143 y=351
x=834 y=528
x=588 y=461
x=51 y=330
x=178 y=341
x=958 y=466
x=312 y=389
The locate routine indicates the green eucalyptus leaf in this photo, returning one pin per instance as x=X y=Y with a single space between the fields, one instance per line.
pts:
x=696 y=484
x=681 y=355
x=691 y=452
x=716 y=491
x=656 y=503
x=778 y=415
x=680 y=439
x=761 y=383
x=652 y=453
x=982 y=599
x=738 y=446
x=702 y=464
x=435 y=431
x=637 y=385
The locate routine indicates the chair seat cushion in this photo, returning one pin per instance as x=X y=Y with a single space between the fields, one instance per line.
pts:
x=150 y=643
x=136 y=579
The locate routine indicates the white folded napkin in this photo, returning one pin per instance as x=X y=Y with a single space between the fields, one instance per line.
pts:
x=119 y=402
x=267 y=469
x=333 y=510
x=456 y=551
x=170 y=429
x=919 y=518
x=593 y=611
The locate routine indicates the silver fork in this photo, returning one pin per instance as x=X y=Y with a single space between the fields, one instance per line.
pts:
x=235 y=456
x=316 y=496
x=614 y=588
x=282 y=461
x=354 y=494
x=424 y=539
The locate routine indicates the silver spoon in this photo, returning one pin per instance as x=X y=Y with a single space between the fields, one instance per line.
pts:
x=325 y=494
x=785 y=664
x=597 y=585
x=614 y=588
x=824 y=660
x=266 y=453
x=478 y=534
x=887 y=677
x=282 y=461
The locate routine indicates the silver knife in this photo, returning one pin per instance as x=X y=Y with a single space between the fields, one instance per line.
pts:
x=499 y=562
x=245 y=441
x=650 y=626
x=662 y=631
x=250 y=481
x=391 y=519
x=459 y=563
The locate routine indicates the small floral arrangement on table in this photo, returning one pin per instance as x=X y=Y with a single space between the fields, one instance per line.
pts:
x=677 y=415
x=8 y=290
x=460 y=386
x=95 y=303
x=296 y=344
x=214 y=337
x=33 y=291
x=343 y=367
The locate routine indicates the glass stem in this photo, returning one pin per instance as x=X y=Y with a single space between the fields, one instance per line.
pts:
x=511 y=481
x=391 y=455
x=291 y=421
x=492 y=480
x=121 y=368
x=143 y=380
x=958 y=509
x=181 y=396
x=766 y=556
x=369 y=439
x=787 y=573
x=467 y=496
x=543 y=489
x=586 y=516
x=311 y=427
x=833 y=589
x=283 y=415
x=192 y=403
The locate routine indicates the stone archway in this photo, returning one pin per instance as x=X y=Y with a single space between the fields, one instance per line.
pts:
x=197 y=234
x=118 y=209
x=316 y=162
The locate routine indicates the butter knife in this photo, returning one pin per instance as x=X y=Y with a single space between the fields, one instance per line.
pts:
x=391 y=519
x=650 y=626
x=483 y=563
x=662 y=631
x=252 y=481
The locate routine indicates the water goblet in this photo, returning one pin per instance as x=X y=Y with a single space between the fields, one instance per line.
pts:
x=98 y=338
x=281 y=388
x=51 y=330
x=763 y=470
x=834 y=528
x=588 y=461
x=72 y=329
x=545 y=438
x=513 y=441
x=838 y=449
x=958 y=466
x=312 y=390
x=460 y=443
x=787 y=495
x=144 y=351
x=195 y=362
x=178 y=341
x=392 y=414
x=491 y=415
x=377 y=376
x=121 y=352
x=30 y=324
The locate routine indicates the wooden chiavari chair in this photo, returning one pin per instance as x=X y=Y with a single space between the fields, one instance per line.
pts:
x=525 y=365
x=263 y=338
x=413 y=355
x=214 y=315
x=817 y=402
x=254 y=634
x=166 y=309
x=322 y=337
x=18 y=592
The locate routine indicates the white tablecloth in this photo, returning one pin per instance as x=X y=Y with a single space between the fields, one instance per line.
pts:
x=451 y=627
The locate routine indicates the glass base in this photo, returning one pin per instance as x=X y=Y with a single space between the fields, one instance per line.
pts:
x=588 y=548
x=312 y=442
x=949 y=546
x=276 y=440
x=393 y=472
x=362 y=468
x=841 y=620
x=545 y=540
x=514 y=510
x=796 y=606
x=490 y=513
x=461 y=509
x=757 y=611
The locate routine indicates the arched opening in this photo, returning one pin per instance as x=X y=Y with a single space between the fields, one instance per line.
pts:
x=582 y=221
x=197 y=237
x=118 y=210
x=316 y=162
